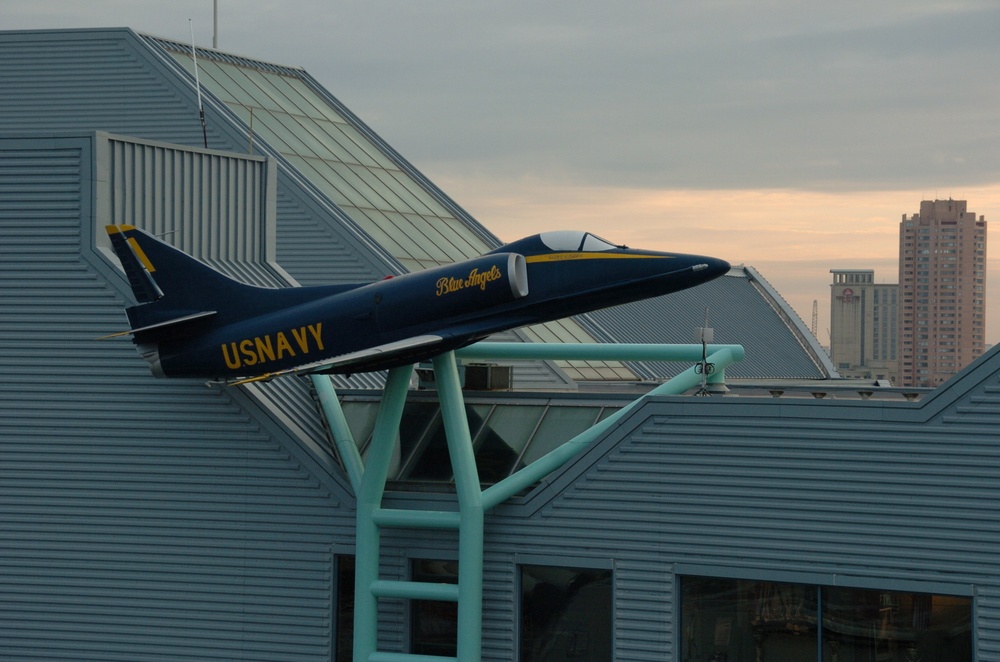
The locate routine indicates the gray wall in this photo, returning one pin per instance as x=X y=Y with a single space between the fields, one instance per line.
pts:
x=139 y=518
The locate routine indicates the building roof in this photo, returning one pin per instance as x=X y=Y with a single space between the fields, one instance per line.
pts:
x=741 y=307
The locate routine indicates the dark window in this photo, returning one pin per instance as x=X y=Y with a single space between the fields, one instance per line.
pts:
x=735 y=619
x=433 y=623
x=890 y=625
x=505 y=437
x=566 y=614
x=344 y=616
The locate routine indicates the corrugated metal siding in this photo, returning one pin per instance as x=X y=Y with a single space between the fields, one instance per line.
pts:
x=214 y=206
x=169 y=190
x=90 y=80
x=864 y=492
x=877 y=494
x=139 y=518
x=987 y=615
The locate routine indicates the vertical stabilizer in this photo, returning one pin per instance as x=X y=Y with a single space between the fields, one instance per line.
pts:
x=136 y=264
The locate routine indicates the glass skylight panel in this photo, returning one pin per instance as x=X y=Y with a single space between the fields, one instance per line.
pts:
x=320 y=108
x=396 y=225
x=380 y=195
x=320 y=144
x=416 y=427
x=432 y=204
x=406 y=196
x=235 y=81
x=270 y=84
x=468 y=244
x=327 y=130
x=354 y=188
x=364 y=148
x=295 y=96
x=256 y=85
x=289 y=136
x=559 y=425
x=569 y=331
x=379 y=230
x=361 y=421
x=319 y=178
x=426 y=234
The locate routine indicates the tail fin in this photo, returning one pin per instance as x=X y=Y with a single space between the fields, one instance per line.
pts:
x=179 y=294
x=157 y=270
x=171 y=287
x=137 y=266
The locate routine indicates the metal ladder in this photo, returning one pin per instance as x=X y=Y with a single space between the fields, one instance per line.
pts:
x=369 y=478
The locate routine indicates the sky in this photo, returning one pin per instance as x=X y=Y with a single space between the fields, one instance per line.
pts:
x=788 y=135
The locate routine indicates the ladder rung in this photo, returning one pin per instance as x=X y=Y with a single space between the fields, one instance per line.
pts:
x=384 y=588
x=407 y=657
x=417 y=519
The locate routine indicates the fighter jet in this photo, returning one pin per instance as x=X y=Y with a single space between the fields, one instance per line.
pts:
x=192 y=321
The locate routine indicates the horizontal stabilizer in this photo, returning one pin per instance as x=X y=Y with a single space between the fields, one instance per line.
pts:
x=162 y=325
x=363 y=356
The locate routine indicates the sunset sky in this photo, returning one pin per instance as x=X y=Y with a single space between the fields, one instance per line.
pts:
x=787 y=135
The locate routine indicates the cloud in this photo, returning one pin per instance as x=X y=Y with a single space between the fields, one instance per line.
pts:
x=710 y=95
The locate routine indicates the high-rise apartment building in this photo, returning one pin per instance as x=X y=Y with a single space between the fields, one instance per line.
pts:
x=863 y=325
x=942 y=291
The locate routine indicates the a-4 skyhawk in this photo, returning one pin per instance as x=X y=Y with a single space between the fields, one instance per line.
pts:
x=192 y=321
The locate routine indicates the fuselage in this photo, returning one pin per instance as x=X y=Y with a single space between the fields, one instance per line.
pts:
x=537 y=279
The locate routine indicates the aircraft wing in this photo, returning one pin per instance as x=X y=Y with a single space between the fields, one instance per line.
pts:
x=385 y=351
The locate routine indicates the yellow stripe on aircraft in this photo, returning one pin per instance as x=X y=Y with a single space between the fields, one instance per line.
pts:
x=115 y=229
x=584 y=255
x=134 y=245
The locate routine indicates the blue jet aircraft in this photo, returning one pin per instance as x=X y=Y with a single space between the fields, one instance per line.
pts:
x=192 y=321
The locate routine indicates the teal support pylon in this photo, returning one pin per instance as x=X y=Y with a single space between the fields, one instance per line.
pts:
x=369 y=501
x=368 y=478
x=343 y=438
x=470 y=507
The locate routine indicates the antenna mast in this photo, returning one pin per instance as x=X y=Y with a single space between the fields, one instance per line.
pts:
x=197 y=84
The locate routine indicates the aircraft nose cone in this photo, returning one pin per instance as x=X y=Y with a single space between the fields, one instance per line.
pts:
x=708 y=268
x=716 y=267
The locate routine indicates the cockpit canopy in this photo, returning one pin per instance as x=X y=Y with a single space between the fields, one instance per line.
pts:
x=575 y=240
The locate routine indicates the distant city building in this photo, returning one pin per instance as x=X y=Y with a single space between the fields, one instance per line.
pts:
x=942 y=282
x=863 y=323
